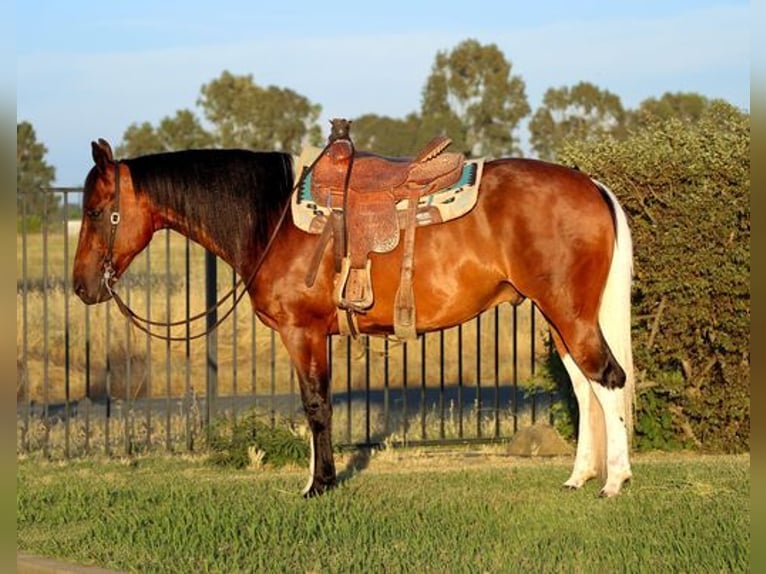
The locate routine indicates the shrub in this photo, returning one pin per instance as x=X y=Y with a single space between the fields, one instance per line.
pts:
x=233 y=442
x=686 y=189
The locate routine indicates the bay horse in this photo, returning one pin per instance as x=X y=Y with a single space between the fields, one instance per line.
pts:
x=539 y=231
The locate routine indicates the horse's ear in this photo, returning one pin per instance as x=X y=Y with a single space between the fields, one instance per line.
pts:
x=102 y=154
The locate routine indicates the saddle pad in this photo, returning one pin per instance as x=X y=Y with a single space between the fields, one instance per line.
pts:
x=450 y=203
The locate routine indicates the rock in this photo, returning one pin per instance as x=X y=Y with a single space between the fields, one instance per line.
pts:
x=539 y=440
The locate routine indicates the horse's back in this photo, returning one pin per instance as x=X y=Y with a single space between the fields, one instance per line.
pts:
x=536 y=228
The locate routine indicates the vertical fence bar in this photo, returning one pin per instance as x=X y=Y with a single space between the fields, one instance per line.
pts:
x=211 y=339
x=234 y=362
x=293 y=376
x=67 y=390
x=532 y=361
x=496 y=379
x=478 y=377
x=108 y=382
x=423 y=431
x=273 y=363
x=367 y=404
x=386 y=388
x=460 y=381
x=46 y=363
x=187 y=348
x=128 y=399
x=168 y=318
x=148 y=359
x=348 y=390
x=25 y=318
x=406 y=415
x=532 y=356
x=87 y=380
x=515 y=379
x=441 y=383
x=253 y=360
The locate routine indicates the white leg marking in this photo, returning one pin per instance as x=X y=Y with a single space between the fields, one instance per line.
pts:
x=312 y=465
x=586 y=465
x=617 y=449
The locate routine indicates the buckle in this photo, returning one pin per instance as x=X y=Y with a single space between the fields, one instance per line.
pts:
x=115 y=217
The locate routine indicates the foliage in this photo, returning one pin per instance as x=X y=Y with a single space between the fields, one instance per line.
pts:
x=249 y=116
x=581 y=113
x=241 y=113
x=385 y=135
x=684 y=106
x=182 y=131
x=472 y=95
x=236 y=443
x=403 y=513
x=686 y=188
x=32 y=174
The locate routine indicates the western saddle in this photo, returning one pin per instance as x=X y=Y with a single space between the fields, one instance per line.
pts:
x=362 y=190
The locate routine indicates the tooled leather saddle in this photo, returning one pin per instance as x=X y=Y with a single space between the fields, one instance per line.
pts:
x=362 y=190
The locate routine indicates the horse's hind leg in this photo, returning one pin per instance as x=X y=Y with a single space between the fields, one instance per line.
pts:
x=589 y=457
x=308 y=350
x=598 y=382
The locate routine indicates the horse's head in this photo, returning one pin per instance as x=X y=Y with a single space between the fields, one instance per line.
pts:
x=116 y=226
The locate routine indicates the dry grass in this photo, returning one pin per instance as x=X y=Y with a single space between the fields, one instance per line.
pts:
x=65 y=349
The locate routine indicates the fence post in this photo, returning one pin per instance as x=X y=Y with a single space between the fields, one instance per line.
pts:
x=211 y=339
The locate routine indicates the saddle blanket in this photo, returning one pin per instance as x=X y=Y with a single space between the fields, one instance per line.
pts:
x=438 y=207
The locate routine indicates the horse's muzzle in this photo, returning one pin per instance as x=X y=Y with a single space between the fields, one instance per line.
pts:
x=90 y=295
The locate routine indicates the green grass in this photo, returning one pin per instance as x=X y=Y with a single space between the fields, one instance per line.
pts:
x=407 y=511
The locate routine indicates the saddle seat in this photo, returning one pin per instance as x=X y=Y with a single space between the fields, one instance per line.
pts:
x=430 y=171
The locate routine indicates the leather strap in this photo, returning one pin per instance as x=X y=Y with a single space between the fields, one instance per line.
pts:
x=404 y=303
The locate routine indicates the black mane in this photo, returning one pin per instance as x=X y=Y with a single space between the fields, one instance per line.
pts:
x=234 y=196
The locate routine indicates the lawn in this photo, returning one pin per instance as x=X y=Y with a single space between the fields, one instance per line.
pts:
x=397 y=511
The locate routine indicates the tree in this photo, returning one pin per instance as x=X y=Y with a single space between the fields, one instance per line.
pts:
x=685 y=106
x=182 y=131
x=249 y=116
x=583 y=112
x=139 y=139
x=473 y=97
x=33 y=174
x=385 y=135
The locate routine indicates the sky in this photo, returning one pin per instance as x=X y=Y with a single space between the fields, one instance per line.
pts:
x=87 y=69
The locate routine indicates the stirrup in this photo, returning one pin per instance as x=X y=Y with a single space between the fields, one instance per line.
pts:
x=353 y=287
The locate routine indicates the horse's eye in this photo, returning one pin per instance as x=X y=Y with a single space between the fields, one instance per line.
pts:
x=94 y=213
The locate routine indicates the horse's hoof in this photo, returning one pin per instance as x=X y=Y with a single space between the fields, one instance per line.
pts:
x=608 y=493
x=317 y=489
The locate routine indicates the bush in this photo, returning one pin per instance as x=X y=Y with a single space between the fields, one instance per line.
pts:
x=686 y=189
x=235 y=443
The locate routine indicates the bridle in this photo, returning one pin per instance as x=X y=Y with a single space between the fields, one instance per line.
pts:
x=144 y=324
x=114 y=219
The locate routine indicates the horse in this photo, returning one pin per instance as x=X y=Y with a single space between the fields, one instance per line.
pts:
x=539 y=231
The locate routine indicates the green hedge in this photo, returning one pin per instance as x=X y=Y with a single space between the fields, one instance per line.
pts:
x=686 y=189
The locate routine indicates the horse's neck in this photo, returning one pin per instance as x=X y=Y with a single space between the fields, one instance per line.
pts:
x=199 y=235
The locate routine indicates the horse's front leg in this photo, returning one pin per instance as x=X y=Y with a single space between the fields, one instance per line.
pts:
x=308 y=349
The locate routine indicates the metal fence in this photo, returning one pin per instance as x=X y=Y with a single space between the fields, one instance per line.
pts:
x=89 y=382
